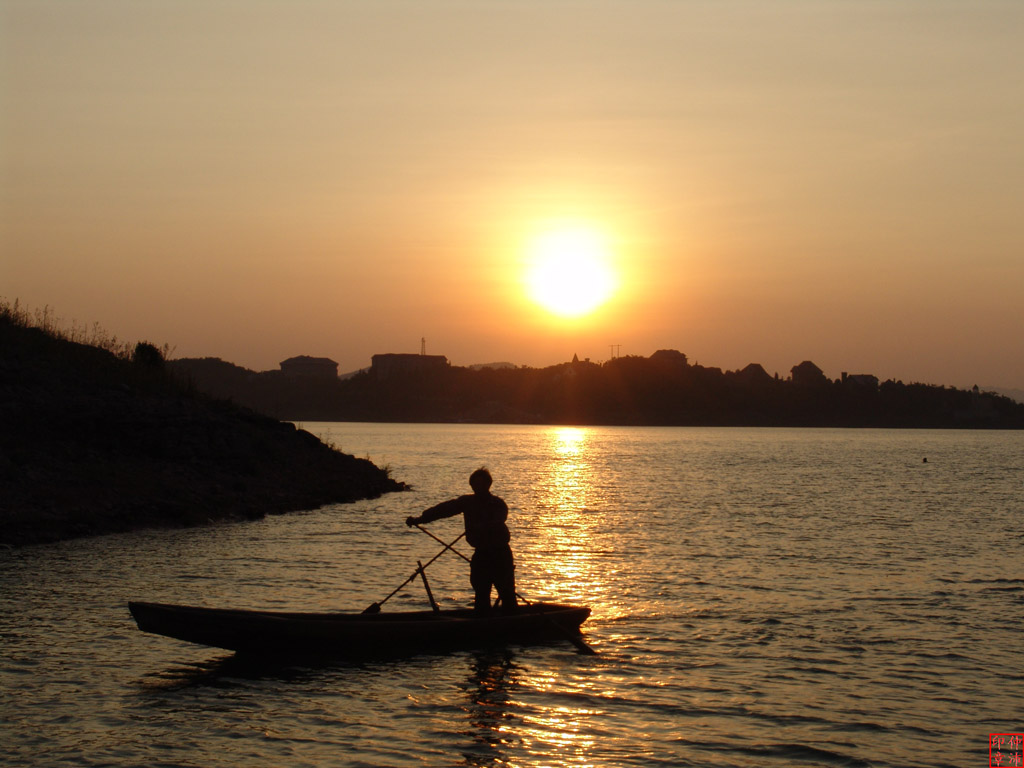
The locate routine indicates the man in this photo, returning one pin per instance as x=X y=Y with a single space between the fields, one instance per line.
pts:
x=484 y=515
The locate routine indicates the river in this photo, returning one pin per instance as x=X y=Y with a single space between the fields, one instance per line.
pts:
x=761 y=597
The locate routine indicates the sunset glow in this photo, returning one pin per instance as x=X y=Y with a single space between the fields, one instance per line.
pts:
x=750 y=183
x=570 y=273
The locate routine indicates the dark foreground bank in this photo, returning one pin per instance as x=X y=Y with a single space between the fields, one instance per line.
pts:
x=92 y=442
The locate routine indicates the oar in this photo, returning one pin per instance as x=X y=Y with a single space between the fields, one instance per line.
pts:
x=441 y=541
x=426 y=586
x=375 y=607
x=572 y=637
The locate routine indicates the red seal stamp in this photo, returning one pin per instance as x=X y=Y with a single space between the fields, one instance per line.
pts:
x=1005 y=749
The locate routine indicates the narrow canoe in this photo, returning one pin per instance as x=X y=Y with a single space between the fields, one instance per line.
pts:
x=358 y=634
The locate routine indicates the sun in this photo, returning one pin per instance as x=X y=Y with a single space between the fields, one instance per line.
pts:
x=570 y=274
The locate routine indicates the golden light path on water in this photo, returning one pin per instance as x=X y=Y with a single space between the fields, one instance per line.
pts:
x=566 y=544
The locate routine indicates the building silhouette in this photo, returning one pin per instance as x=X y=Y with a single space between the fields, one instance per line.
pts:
x=306 y=367
x=390 y=365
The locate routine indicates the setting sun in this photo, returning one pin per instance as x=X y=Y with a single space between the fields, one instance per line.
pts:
x=569 y=273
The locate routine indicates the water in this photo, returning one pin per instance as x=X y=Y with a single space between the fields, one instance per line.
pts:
x=760 y=597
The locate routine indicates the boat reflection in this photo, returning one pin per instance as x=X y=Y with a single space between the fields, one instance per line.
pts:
x=511 y=714
x=493 y=674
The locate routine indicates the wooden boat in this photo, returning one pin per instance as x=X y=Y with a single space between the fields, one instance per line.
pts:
x=359 y=634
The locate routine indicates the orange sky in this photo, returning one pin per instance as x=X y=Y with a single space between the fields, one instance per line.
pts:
x=833 y=181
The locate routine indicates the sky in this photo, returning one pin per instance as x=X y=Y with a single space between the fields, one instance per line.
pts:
x=771 y=182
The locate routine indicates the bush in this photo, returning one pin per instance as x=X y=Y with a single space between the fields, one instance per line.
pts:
x=147 y=356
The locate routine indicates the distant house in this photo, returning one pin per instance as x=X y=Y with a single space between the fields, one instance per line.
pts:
x=860 y=380
x=754 y=374
x=306 y=367
x=389 y=365
x=807 y=374
x=670 y=357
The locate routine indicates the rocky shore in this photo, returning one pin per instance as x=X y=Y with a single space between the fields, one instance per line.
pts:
x=92 y=442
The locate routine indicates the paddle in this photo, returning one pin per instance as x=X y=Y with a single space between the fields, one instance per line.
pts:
x=426 y=586
x=572 y=637
x=441 y=541
x=375 y=607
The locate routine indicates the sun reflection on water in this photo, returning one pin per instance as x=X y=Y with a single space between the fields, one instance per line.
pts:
x=567 y=484
x=566 y=730
x=510 y=710
x=568 y=497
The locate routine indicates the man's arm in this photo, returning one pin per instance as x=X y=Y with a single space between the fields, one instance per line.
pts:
x=445 y=509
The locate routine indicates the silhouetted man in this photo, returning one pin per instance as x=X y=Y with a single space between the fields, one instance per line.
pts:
x=484 y=515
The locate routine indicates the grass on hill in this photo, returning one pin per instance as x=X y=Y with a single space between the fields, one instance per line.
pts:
x=97 y=435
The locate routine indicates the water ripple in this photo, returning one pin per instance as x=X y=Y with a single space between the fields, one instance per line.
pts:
x=761 y=598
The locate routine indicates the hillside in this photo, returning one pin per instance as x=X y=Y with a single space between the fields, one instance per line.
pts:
x=92 y=442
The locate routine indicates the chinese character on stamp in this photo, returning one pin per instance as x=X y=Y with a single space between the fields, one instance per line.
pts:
x=1005 y=749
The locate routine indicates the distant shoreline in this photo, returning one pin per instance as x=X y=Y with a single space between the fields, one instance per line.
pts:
x=661 y=390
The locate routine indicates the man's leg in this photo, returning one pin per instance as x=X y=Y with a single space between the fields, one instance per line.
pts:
x=480 y=579
x=505 y=579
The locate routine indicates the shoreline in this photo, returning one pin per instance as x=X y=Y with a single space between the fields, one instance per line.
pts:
x=93 y=443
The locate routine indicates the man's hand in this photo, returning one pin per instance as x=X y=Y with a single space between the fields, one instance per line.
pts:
x=411 y=521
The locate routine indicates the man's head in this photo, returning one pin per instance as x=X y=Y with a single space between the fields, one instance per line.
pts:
x=480 y=481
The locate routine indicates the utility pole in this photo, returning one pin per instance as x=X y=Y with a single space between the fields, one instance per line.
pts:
x=614 y=350
x=423 y=345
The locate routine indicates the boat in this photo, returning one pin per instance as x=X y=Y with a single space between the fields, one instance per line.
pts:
x=341 y=634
